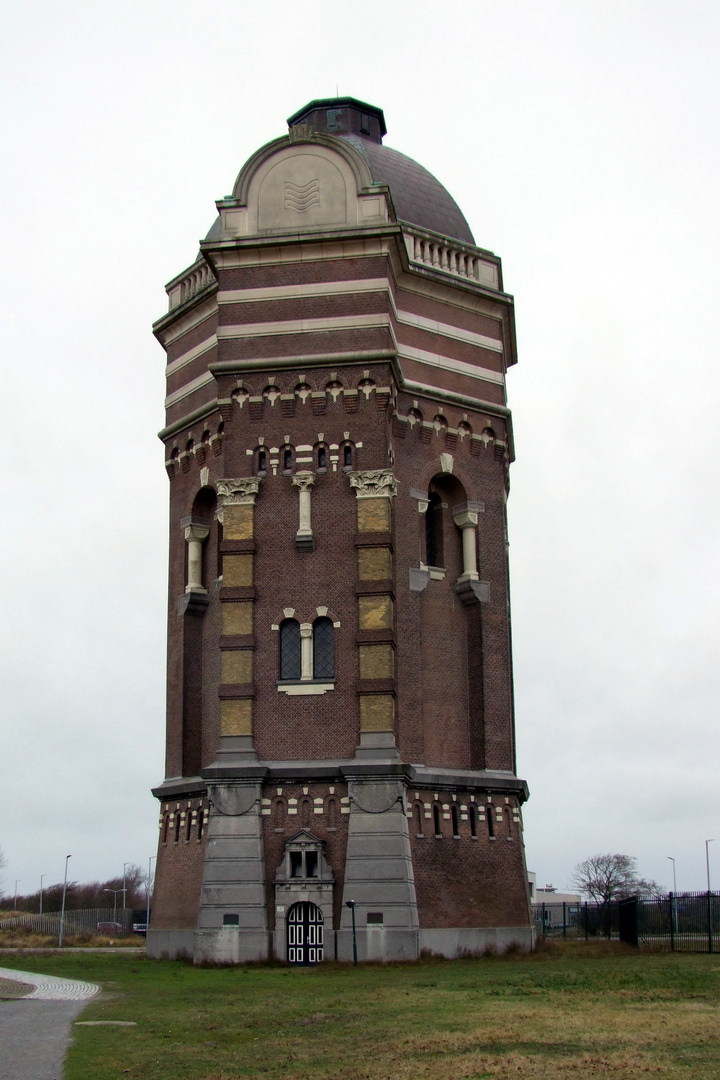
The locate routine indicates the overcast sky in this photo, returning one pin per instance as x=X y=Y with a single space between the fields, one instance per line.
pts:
x=581 y=141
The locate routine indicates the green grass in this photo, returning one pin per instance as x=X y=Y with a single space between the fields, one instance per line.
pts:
x=583 y=1011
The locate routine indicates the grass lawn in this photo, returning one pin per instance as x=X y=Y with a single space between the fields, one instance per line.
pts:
x=580 y=1011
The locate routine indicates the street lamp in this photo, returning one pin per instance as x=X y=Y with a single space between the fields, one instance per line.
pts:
x=147 y=894
x=115 y=892
x=351 y=905
x=709 y=897
x=62 y=911
x=41 y=890
x=124 y=890
x=674 y=902
x=16 y=885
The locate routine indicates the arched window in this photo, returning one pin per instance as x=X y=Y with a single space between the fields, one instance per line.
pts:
x=278 y=815
x=166 y=822
x=472 y=814
x=455 y=821
x=490 y=810
x=261 y=462
x=323 y=649
x=508 y=821
x=287 y=459
x=178 y=818
x=305 y=813
x=332 y=813
x=290 y=650
x=322 y=457
x=201 y=822
x=188 y=826
x=433 y=532
x=347 y=456
x=436 y=819
x=418 y=818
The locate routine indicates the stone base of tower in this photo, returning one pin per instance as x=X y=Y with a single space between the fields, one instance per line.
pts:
x=428 y=861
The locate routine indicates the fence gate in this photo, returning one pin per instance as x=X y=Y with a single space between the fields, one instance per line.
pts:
x=305 y=933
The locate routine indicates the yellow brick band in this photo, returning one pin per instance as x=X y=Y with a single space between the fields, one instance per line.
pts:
x=237 y=522
x=237 y=618
x=375 y=612
x=373 y=515
x=236 y=717
x=376 y=661
x=237 y=570
x=374 y=564
x=377 y=712
x=236 y=666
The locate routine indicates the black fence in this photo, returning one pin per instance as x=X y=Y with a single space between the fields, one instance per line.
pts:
x=686 y=922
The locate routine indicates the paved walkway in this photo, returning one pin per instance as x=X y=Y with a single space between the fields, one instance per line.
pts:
x=35 y=1030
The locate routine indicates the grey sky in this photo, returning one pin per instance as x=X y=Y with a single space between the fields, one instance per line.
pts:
x=580 y=140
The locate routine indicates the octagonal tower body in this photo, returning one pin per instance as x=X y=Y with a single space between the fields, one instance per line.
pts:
x=340 y=712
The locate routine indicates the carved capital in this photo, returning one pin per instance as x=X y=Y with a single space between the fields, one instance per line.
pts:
x=194 y=531
x=240 y=492
x=373 y=483
x=304 y=480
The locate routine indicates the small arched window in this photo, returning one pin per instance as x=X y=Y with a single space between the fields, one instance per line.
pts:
x=178 y=817
x=490 y=810
x=261 y=462
x=323 y=649
x=305 y=813
x=322 y=457
x=188 y=826
x=290 y=650
x=166 y=822
x=508 y=821
x=472 y=814
x=287 y=459
x=278 y=815
x=455 y=821
x=347 y=456
x=201 y=822
x=332 y=813
x=436 y=819
x=418 y=818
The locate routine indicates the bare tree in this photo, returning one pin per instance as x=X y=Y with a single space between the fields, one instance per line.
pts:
x=612 y=877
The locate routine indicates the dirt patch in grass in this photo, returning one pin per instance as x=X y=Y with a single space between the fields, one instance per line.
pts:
x=551 y=1016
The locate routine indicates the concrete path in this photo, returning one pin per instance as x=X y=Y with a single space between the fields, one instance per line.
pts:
x=35 y=1029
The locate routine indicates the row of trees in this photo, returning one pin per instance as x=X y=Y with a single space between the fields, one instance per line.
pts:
x=93 y=894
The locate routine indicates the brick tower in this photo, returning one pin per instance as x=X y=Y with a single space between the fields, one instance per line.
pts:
x=340 y=707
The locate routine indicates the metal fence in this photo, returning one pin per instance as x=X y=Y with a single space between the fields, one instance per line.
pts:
x=76 y=922
x=685 y=922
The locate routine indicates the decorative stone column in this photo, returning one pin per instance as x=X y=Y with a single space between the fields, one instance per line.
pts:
x=195 y=535
x=306 y=652
x=466 y=520
x=305 y=481
x=468 y=586
x=374 y=489
x=236 y=499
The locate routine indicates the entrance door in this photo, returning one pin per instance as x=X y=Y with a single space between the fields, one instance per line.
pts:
x=305 y=933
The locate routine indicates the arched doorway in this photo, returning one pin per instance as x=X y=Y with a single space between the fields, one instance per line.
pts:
x=305 y=933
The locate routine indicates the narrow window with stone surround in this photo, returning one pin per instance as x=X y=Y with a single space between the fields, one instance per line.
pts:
x=290 y=650
x=472 y=815
x=490 y=810
x=418 y=818
x=323 y=649
x=436 y=820
x=455 y=822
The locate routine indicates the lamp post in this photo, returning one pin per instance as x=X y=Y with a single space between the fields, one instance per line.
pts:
x=709 y=897
x=62 y=910
x=17 y=882
x=674 y=901
x=42 y=876
x=147 y=897
x=125 y=864
x=115 y=892
x=351 y=905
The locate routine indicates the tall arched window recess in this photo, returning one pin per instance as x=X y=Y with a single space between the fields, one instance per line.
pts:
x=455 y=821
x=290 y=650
x=472 y=815
x=323 y=649
x=434 y=531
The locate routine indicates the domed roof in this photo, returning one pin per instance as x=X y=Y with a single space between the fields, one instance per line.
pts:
x=418 y=198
